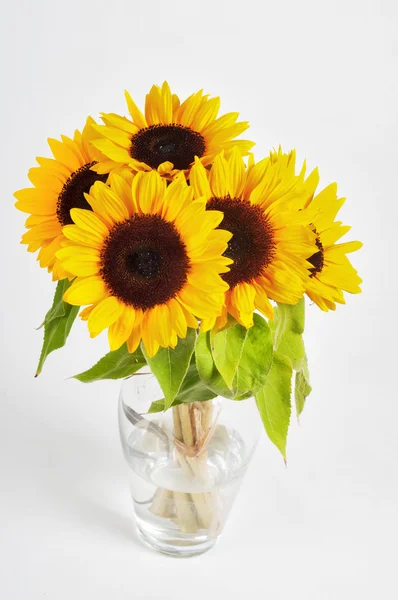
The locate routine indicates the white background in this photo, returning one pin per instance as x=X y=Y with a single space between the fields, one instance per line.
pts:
x=318 y=76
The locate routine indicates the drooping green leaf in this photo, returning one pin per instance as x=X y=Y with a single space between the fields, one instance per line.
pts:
x=158 y=406
x=302 y=388
x=170 y=366
x=274 y=403
x=255 y=358
x=227 y=349
x=57 y=324
x=287 y=328
x=58 y=308
x=193 y=389
x=114 y=365
x=207 y=370
x=244 y=356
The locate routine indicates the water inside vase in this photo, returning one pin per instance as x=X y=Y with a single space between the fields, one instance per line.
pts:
x=183 y=500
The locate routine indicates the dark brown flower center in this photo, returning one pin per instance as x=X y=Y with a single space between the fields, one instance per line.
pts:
x=316 y=259
x=144 y=261
x=72 y=194
x=252 y=244
x=157 y=144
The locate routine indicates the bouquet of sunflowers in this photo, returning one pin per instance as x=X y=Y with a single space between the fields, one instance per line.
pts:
x=162 y=228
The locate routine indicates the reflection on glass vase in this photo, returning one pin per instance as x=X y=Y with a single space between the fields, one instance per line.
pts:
x=186 y=464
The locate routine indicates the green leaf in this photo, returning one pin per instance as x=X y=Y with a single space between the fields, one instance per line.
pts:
x=227 y=349
x=207 y=370
x=302 y=388
x=157 y=406
x=244 y=356
x=114 y=365
x=58 y=308
x=192 y=390
x=171 y=365
x=274 y=403
x=57 y=324
x=288 y=327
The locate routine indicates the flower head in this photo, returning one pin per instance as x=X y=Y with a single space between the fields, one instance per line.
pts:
x=331 y=272
x=147 y=260
x=170 y=134
x=59 y=186
x=270 y=242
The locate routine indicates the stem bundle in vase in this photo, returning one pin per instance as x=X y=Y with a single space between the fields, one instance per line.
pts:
x=191 y=511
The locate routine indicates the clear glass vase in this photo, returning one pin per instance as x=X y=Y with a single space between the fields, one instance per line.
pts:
x=186 y=464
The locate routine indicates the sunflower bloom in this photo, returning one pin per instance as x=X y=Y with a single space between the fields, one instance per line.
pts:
x=59 y=185
x=147 y=261
x=331 y=273
x=170 y=134
x=270 y=241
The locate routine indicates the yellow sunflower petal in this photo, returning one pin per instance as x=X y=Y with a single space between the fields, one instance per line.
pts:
x=104 y=314
x=242 y=298
x=112 y=151
x=82 y=237
x=121 y=122
x=43 y=231
x=82 y=265
x=177 y=316
x=135 y=113
x=148 y=336
x=120 y=137
x=64 y=154
x=122 y=328
x=199 y=181
x=206 y=114
x=36 y=202
x=86 y=291
x=219 y=177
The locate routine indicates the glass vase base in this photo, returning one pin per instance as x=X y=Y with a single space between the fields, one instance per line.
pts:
x=178 y=545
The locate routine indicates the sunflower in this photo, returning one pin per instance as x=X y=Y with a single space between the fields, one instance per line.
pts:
x=60 y=184
x=331 y=271
x=170 y=135
x=270 y=241
x=147 y=260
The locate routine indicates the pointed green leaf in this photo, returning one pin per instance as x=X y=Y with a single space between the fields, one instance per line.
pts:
x=287 y=328
x=302 y=388
x=255 y=358
x=192 y=390
x=274 y=403
x=114 y=365
x=207 y=370
x=58 y=308
x=171 y=365
x=227 y=349
x=244 y=356
x=57 y=324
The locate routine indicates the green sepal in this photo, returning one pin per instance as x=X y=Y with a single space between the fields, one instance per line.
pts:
x=57 y=323
x=274 y=401
x=114 y=365
x=170 y=365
